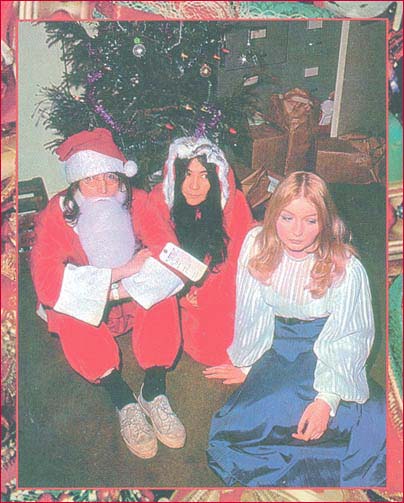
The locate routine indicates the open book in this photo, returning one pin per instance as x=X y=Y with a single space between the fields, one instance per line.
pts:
x=155 y=282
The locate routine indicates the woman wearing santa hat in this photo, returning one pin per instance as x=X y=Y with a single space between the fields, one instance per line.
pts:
x=209 y=218
x=89 y=241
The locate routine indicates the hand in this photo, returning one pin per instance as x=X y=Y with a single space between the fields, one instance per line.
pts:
x=228 y=372
x=136 y=262
x=314 y=421
x=131 y=267
x=192 y=298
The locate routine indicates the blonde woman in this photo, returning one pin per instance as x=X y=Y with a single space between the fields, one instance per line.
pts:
x=304 y=329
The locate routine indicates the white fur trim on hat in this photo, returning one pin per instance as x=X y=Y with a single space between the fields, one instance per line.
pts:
x=130 y=168
x=87 y=163
x=188 y=148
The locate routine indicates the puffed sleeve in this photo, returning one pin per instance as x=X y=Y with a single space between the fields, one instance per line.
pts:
x=344 y=344
x=254 y=320
x=80 y=291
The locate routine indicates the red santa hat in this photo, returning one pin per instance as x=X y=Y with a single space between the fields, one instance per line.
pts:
x=90 y=153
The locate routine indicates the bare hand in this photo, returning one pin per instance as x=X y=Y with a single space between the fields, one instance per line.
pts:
x=229 y=373
x=131 y=267
x=314 y=421
x=136 y=262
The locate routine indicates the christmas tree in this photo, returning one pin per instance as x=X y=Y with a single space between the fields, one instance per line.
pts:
x=148 y=83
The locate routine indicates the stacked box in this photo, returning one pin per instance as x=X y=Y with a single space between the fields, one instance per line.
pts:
x=297 y=114
x=259 y=186
x=267 y=149
x=338 y=161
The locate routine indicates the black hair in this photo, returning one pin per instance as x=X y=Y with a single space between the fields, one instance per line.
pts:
x=199 y=229
x=71 y=210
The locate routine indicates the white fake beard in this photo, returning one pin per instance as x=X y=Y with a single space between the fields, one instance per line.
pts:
x=105 y=230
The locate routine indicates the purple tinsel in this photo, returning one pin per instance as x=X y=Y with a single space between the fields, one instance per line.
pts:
x=203 y=125
x=99 y=108
x=93 y=77
x=200 y=129
x=90 y=50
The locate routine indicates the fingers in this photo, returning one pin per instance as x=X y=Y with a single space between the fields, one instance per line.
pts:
x=235 y=380
x=214 y=376
x=302 y=423
x=229 y=374
x=307 y=437
x=144 y=252
x=219 y=375
x=217 y=368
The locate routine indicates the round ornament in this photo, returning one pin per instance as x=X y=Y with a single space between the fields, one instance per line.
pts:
x=205 y=71
x=139 y=50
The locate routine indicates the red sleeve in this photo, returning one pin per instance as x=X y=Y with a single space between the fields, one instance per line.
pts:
x=151 y=222
x=49 y=253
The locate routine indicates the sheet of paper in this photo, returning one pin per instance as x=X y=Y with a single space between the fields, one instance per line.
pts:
x=183 y=262
x=153 y=283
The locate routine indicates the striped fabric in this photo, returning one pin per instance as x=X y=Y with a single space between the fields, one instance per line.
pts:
x=343 y=345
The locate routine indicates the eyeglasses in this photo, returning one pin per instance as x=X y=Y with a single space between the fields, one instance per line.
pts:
x=109 y=178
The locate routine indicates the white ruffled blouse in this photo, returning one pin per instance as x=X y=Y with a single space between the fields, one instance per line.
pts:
x=344 y=343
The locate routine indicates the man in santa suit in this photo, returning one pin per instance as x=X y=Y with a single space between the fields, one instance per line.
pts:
x=88 y=264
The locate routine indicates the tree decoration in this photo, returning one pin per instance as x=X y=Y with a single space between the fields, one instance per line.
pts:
x=139 y=50
x=148 y=83
x=205 y=71
x=243 y=59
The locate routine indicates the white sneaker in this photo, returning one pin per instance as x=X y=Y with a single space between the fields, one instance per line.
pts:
x=169 y=429
x=136 y=431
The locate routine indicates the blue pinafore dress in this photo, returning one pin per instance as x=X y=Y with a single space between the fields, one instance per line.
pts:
x=250 y=440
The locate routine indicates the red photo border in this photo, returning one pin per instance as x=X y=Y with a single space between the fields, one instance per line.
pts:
x=394 y=488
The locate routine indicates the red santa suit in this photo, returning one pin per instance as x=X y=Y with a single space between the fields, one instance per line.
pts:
x=89 y=346
x=208 y=328
x=75 y=294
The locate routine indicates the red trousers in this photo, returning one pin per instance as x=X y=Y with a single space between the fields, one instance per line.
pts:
x=92 y=351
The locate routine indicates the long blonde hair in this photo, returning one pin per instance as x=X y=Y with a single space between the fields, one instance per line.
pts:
x=332 y=247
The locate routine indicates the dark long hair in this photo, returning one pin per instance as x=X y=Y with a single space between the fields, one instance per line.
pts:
x=199 y=229
x=71 y=210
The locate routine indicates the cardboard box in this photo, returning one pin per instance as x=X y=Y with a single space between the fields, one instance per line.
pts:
x=259 y=186
x=338 y=161
x=268 y=149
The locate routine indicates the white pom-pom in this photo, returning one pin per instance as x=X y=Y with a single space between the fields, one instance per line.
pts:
x=130 y=168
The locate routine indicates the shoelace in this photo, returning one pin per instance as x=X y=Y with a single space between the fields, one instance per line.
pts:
x=132 y=419
x=165 y=413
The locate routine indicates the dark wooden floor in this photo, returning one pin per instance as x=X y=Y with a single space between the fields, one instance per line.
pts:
x=68 y=429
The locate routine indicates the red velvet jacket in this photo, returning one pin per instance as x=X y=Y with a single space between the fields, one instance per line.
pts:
x=208 y=328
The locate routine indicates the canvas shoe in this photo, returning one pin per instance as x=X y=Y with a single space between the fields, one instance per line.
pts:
x=136 y=431
x=169 y=429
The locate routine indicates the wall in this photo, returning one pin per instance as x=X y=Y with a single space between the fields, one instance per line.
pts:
x=39 y=66
x=362 y=79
